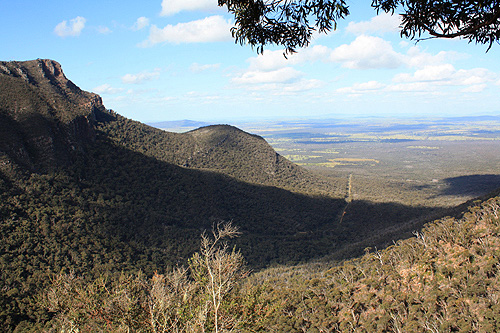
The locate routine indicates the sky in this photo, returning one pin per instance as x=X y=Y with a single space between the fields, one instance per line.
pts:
x=162 y=60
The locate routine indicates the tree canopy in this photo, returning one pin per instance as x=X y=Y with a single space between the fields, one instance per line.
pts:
x=291 y=23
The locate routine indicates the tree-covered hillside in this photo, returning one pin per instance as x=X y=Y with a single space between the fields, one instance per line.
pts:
x=45 y=119
x=445 y=279
x=221 y=148
x=87 y=191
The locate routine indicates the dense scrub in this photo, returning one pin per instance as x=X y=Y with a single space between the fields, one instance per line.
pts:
x=185 y=299
x=221 y=148
x=445 y=279
x=116 y=210
x=93 y=201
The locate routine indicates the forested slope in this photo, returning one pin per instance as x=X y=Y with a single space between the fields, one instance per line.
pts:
x=445 y=279
x=221 y=148
x=85 y=190
x=44 y=118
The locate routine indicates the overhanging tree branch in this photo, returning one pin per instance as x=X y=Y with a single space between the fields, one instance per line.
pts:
x=477 y=21
x=291 y=23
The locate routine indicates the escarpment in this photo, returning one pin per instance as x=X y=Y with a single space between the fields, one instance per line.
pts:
x=44 y=117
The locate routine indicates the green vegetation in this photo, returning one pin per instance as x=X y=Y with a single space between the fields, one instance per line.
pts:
x=223 y=149
x=445 y=279
x=185 y=299
x=100 y=218
x=116 y=210
x=291 y=24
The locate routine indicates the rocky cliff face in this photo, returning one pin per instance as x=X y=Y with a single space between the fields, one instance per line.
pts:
x=44 y=117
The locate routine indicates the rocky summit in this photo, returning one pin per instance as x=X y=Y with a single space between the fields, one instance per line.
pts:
x=44 y=117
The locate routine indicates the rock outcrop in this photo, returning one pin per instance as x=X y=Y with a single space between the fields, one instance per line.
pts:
x=44 y=117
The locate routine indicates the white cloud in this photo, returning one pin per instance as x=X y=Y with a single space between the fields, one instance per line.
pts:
x=209 y=29
x=445 y=74
x=370 y=85
x=431 y=80
x=475 y=76
x=282 y=75
x=303 y=85
x=476 y=88
x=74 y=28
x=272 y=60
x=380 y=23
x=411 y=87
x=268 y=61
x=364 y=87
x=140 y=77
x=171 y=7
x=436 y=69
x=367 y=52
x=285 y=88
x=141 y=23
x=429 y=73
x=200 y=97
x=104 y=30
x=271 y=71
x=415 y=57
x=314 y=53
x=403 y=43
x=107 y=89
x=197 y=68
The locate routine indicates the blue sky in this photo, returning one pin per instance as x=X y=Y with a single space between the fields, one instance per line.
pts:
x=175 y=59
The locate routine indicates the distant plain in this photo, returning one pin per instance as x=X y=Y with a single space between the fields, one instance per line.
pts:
x=436 y=162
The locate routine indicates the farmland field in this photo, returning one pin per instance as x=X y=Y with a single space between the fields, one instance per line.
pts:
x=432 y=162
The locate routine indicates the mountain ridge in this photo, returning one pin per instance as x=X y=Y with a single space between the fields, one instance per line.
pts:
x=221 y=148
x=36 y=129
x=85 y=190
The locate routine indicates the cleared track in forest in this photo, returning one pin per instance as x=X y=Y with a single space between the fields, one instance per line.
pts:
x=348 y=197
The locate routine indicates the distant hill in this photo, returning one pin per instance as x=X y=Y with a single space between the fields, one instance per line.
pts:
x=234 y=152
x=220 y=148
x=178 y=124
x=85 y=190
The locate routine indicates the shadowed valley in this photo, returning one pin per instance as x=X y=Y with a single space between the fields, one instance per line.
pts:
x=87 y=191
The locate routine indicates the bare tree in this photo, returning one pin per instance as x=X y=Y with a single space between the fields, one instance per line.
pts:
x=190 y=299
x=186 y=299
x=218 y=269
